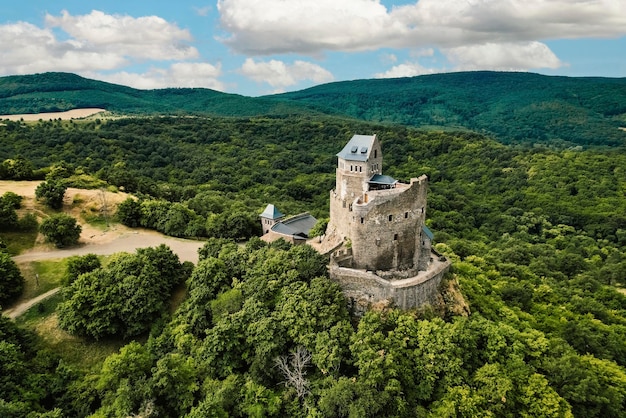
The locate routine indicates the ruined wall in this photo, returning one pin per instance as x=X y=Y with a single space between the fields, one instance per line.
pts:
x=386 y=229
x=364 y=288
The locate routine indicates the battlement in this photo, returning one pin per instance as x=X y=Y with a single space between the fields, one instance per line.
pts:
x=377 y=226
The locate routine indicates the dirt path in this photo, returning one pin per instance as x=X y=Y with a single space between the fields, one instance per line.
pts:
x=187 y=250
x=116 y=238
x=23 y=307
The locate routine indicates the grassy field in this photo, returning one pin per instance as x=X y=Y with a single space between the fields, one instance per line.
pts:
x=80 y=352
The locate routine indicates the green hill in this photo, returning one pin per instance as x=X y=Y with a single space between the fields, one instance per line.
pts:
x=52 y=92
x=511 y=106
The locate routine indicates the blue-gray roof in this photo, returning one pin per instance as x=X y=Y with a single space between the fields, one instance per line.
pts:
x=358 y=148
x=271 y=212
x=383 y=179
x=428 y=232
x=299 y=225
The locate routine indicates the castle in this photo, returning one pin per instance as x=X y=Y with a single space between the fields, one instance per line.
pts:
x=377 y=240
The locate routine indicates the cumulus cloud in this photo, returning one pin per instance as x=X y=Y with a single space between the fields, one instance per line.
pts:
x=30 y=49
x=407 y=69
x=278 y=74
x=148 y=37
x=99 y=42
x=182 y=74
x=306 y=27
x=504 y=57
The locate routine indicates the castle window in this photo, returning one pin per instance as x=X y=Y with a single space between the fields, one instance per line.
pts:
x=406 y=215
x=375 y=153
x=422 y=210
x=390 y=218
x=362 y=220
x=351 y=167
x=350 y=207
x=360 y=169
x=395 y=237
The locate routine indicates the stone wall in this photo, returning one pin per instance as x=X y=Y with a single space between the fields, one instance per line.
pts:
x=386 y=227
x=364 y=288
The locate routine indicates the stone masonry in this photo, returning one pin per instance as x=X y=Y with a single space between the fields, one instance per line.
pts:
x=379 y=246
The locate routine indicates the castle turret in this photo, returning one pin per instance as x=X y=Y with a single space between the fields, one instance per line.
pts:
x=380 y=217
x=380 y=248
x=269 y=217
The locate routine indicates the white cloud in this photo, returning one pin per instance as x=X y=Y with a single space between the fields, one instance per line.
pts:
x=306 y=27
x=182 y=74
x=148 y=37
x=30 y=49
x=278 y=74
x=505 y=57
x=521 y=56
x=303 y=26
x=202 y=11
x=408 y=69
x=99 y=42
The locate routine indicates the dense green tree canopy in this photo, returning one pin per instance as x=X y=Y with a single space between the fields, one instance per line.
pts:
x=61 y=229
x=537 y=236
x=122 y=297
x=11 y=280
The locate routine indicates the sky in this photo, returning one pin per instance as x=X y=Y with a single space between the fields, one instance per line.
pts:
x=259 y=47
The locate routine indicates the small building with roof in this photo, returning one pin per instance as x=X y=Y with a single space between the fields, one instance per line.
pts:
x=294 y=229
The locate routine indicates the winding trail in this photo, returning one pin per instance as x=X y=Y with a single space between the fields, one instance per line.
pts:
x=24 y=306
x=187 y=250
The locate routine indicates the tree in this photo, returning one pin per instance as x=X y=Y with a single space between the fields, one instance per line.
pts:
x=11 y=280
x=61 y=229
x=16 y=169
x=52 y=193
x=124 y=297
x=79 y=265
x=129 y=212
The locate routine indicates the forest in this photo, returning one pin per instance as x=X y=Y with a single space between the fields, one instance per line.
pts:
x=537 y=236
x=512 y=107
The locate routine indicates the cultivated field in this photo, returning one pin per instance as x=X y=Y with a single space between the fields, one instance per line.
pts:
x=70 y=114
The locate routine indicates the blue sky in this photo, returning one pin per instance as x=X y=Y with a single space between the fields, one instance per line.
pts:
x=257 y=47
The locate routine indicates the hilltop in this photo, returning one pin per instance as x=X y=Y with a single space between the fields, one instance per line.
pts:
x=56 y=92
x=512 y=107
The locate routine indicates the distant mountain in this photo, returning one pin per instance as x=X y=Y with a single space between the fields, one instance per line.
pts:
x=51 y=92
x=510 y=106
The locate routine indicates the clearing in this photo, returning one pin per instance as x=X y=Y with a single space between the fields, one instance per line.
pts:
x=67 y=115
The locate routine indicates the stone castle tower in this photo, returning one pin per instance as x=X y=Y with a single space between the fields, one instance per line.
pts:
x=377 y=240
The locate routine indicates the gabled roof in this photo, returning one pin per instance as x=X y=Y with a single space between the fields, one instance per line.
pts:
x=358 y=148
x=382 y=179
x=271 y=212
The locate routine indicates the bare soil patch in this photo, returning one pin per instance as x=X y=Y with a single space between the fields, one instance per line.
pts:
x=67 y=115
x=101 y=240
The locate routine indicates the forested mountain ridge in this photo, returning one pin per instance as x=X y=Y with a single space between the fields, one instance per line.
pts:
x=512 y=107
x=54 y=92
